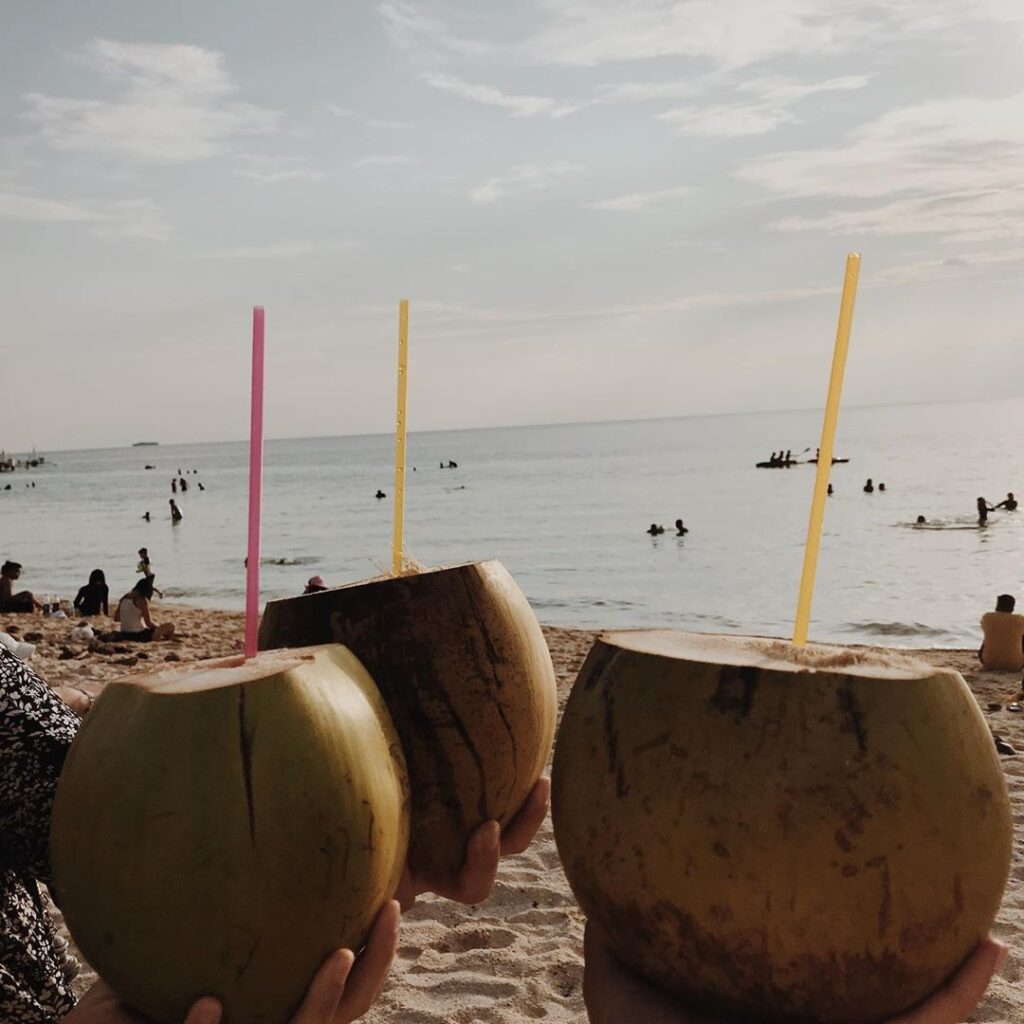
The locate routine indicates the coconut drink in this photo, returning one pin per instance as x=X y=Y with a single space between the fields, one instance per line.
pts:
x=221 y=828
x=800 y=834
x=463 y=666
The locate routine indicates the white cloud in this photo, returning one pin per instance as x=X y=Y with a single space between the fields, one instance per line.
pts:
x=950 y=167
x=124 y=218
x=727 y=120
x=739 y=33
x=769 y=110
x=272 y=170
x=517 y=106
x=173 y=106
x=526 y=178
x=641 y=92
x=14 y=206
x=644 y=201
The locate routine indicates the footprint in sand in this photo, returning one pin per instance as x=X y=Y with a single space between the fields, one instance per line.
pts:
x=462 y=940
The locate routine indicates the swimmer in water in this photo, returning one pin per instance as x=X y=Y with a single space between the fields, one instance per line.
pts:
x=655 y=529
x=869 y=487
x=681 y=530
x=1010 y=504
x=921 y=521
x=830 y=491
x=380 y=494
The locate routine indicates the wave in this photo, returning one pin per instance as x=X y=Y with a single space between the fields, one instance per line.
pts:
x=894 y=629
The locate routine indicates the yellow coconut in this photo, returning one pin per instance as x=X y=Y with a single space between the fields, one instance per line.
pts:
x=800 y=834
x=220 y=828
x=464 y=669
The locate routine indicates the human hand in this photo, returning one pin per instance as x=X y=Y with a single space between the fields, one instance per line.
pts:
x=78 y=699
x=342 y=990
x=615 y=995
x=101 y=1006
x=486 y=846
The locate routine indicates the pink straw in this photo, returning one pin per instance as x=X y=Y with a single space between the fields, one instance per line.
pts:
x=252 y=572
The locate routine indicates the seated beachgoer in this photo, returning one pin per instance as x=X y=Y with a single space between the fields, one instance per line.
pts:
x=1003 y=629
x=9 y=601
x=93 y=598
x=132 y=613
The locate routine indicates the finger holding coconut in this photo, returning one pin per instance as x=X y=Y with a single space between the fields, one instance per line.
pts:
x=465 y=671
x=219 y=830
x=794 y=834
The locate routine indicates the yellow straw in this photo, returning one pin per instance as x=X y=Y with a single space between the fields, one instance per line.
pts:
x=403 y=388
x=828 y=436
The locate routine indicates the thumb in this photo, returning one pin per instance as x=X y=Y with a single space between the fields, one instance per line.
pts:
x=326 y=989
x=206 y=1011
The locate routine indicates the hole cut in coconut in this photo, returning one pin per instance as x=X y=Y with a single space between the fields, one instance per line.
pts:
x=219 y=673
x=770 y=654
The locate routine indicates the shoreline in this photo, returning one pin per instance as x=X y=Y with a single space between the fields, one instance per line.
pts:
x=518 y=956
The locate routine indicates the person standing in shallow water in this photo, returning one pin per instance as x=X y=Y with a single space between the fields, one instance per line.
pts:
x=176 y=516
x=983 y=510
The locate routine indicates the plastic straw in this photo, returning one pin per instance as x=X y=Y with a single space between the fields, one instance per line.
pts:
x=403 y=390
x=828 y=436
x=252 y=572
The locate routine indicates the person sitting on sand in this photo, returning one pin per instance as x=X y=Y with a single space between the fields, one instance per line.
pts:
x=132 y=613
x=983 y=510
x=681 y=530
x=315 y=585
x=654 y=529
x=9 y=601
x=1003 y=630
x=869 y=487
x=93 y=597
x=1010 y=504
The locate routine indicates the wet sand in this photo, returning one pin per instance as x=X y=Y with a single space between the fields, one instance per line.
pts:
x=518 y=957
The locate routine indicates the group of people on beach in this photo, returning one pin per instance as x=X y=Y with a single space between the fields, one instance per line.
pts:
x=132 y=614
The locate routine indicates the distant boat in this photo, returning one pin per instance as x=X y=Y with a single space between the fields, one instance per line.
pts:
x=146 y=444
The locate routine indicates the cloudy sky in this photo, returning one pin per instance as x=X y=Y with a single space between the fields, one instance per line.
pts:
x=599 y=209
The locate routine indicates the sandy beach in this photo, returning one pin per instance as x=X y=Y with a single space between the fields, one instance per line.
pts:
x=517 y=957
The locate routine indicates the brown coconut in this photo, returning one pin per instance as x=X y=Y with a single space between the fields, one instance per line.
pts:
x=796 y=834
x=464 y=669
x=220 y=828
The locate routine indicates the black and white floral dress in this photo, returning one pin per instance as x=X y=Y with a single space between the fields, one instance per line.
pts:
x=36 y=729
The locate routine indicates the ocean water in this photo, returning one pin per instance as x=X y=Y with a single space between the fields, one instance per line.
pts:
x=566 y=509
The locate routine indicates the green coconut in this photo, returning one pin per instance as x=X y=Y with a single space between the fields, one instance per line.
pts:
x=221 y=828
x=788 y=834
x=465 y=671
